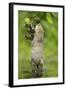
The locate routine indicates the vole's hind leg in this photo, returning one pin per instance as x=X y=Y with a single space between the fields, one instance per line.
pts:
x=40 y=70
x=34 y=69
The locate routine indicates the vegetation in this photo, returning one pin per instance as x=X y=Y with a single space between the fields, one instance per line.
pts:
x=49 y=21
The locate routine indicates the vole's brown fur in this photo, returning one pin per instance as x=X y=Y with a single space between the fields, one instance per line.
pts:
x=37 y=51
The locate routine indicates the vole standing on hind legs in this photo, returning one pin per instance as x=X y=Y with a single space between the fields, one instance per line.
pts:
x=37 y=34
x=37 y=52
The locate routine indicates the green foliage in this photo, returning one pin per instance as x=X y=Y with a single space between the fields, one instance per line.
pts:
x=49 y=21
x=27 y=20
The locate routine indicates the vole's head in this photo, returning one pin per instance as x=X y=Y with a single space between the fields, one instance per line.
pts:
x=37 y=20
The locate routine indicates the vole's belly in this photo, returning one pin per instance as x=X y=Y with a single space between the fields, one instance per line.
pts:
x=37 y=54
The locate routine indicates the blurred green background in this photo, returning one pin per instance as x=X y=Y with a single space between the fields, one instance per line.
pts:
x=49 y=21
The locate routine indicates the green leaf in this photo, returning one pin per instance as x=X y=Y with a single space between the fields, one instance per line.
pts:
x=27 y=20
